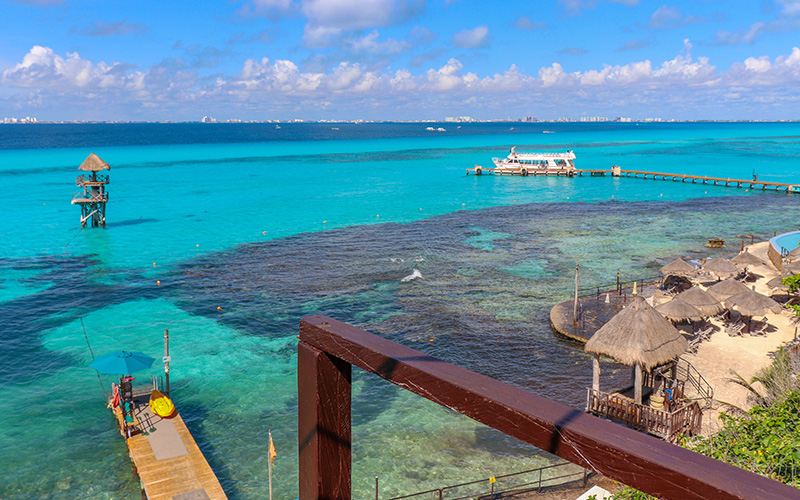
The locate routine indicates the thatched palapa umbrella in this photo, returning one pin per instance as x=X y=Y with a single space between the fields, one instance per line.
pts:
x=704 y=301
x=721 y=268
x=776 y=285
x=678 y=310
x=94 y=163
x=678 y=267
x=727 y=288
x=751 y=304
x=637 y=336
x=745 y=258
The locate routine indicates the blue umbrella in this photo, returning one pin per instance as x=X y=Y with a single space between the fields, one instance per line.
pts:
x=122 y=362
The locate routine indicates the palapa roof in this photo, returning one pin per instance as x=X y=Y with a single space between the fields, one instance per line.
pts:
x=793 y=268
x=721 y=267
x=727 y=288
x=638 y=335
x=94 y=163
x=704 y=301
x=678 y=267
x=777 y=283
x=678 y=310
x=745 y=258
x=752 y=303
x=793 y=255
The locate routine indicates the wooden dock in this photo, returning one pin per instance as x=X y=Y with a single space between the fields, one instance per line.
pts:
x=166 y=457
x=642 y=174
x=715 y=181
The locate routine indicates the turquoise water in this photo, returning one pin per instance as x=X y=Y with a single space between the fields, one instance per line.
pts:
x=270 y=228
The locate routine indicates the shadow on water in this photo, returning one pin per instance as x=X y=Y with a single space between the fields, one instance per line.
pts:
x=71 y=292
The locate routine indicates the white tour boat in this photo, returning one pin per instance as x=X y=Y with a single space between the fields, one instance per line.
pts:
x=536 y=163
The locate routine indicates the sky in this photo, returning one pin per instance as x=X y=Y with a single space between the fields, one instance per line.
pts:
x=399 y=59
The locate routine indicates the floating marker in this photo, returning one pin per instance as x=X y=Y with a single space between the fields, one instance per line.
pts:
x=198 y=245
x=264 y=232
x=324 y=222
x=431 y=340
x=154 y=264
x=158 y=283
x=219 y=308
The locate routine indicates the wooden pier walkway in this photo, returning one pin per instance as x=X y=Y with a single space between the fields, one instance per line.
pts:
x=167 y=458
x=642 y=174
x=716 y=181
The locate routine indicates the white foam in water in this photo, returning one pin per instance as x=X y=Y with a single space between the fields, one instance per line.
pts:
x=416 y=274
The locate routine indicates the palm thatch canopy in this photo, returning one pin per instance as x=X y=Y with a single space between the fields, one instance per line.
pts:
x=678 y=267
x=638 y=335
x=793 y=255
x=721 y=268
x=793 y=268
x=678 y=310
x=94 y=163
x=777 y=284
x=727 y=288
x=745 y=258
x=751 y=303
x=702 y=300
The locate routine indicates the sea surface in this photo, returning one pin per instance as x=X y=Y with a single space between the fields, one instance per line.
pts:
x=228 y=234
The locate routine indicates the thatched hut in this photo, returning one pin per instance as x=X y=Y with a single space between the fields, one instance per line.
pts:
x=94 y=163
x=727 y=288
x=721 y=268
x=750 y=303
x=678 y=267
x=637 y=336
x=677 y=310
x=704 y=301
x=745 y=258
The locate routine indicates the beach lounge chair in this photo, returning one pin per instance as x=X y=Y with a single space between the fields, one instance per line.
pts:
x=734 y=329
x=759 y=328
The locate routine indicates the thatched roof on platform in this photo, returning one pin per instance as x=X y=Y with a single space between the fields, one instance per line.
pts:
x=678 y=267
x=678 y=310
x=727 y=288
x=752 y=303
x=638 y=335
x=94 y=163
x=745 y=258
x=721 y=268
x=702 y=300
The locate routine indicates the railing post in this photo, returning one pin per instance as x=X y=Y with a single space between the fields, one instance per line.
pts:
x=323 y=415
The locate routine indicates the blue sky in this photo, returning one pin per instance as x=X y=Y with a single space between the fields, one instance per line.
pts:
x=399 y=59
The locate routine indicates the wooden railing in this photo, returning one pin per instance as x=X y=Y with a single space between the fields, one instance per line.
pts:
x=684 y=419
x=327 y=350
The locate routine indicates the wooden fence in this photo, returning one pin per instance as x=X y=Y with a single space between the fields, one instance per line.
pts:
x=328 y=349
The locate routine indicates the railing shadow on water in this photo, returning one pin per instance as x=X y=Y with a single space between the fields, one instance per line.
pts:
x=328 y=349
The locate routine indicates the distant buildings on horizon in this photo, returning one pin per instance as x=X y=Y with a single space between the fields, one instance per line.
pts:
x=447 y=119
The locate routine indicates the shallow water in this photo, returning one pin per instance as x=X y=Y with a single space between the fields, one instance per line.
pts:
x=346 y=220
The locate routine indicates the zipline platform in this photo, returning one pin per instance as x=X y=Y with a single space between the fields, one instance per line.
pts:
x=166 y=457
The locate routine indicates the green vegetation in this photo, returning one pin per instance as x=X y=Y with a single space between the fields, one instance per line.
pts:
x=792 y=283
x=765 y=440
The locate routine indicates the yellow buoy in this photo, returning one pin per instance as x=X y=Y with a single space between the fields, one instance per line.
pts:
x=158 y=282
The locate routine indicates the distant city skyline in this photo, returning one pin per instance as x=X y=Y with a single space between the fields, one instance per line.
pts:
x=400 y=60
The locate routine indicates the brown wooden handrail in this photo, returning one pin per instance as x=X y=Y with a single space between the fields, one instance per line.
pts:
x=328 y=348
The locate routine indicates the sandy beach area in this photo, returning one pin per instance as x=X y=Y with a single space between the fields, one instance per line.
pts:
x=719 y=358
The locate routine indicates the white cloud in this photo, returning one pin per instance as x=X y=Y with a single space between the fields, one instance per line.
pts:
x=474 y=38
x=46 y=78
x=328 y=18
